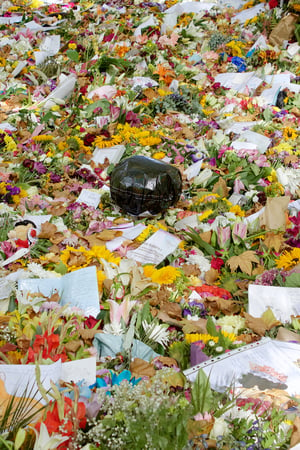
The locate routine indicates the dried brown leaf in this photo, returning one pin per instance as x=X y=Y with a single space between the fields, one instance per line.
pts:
x=141 y=368
x=243 y=261
x=269 y=319
x=167 y=361
x=164 y=317
x=47 y=230
x=215 y=305
x=54 y=297
x=211 y=276
x=194 y=326
x=57 y=238
x=191 y=269
x=274 y=240
x=108 y=235
x=221 y=188
x=73 y=346
x=172 y=309
x=256 y=324
x=295 y=438
x=57 y=210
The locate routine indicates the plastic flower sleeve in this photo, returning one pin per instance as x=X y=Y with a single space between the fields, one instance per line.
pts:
x=144 y=185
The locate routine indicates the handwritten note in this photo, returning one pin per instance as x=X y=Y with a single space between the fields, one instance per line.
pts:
x=89 y=198
x=78 y=288
x=155 y=249
x=283 y=301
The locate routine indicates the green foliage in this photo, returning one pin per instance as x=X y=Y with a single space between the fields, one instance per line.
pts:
x=180 y=351
x=18 y=413
x=201 y=394
x=139 y=417
x=40 y=248
x=199 y=242
x=293 y=280
x=73 y=55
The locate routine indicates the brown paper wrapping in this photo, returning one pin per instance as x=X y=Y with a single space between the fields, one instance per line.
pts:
x=284 y=30
x=274 y=215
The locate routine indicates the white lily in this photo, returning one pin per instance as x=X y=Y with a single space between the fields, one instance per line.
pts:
x=45 y=442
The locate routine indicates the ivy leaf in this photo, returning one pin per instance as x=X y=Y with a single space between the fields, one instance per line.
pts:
x=73 y=55
x=243 y=261
x=293 y=280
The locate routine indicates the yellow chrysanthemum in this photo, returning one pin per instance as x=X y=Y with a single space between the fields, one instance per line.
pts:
x=273 y=176
x=283 y=147
x=100 y=278
x=74 y=258
x=237 y=210
x=205 y=214
x=43 y=138
x=288 y=259
x=150 y=140
x=102 y=142
x=148 y=270
x=163 y=92
x=101 y=252
x=17 y=198
x=289 y=133
x=159 y=155
x=194 y=337
x=10 y=144
x=165 y=275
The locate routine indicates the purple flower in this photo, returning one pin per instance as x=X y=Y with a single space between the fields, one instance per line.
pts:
x=40 y=168
x=54 y=178
x=13 y=190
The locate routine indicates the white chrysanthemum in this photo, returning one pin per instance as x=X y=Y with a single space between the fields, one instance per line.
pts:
x=239 y=413
x=156 y=333
x=289 y=178
x=199 y=259
x=4 y=208
x=114 y=328
x=231 y=324
x=38 y=271
x=59 y=223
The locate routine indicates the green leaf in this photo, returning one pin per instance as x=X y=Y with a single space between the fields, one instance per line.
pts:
x=20 y=438
x=103 y=104
x=211 y=327
x=267 y=114
x=293 y=280
x=73 y=55
x=201 y=393
x=194 y=236
x=61 y=268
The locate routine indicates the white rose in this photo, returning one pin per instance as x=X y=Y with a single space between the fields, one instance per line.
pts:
x=220 y=428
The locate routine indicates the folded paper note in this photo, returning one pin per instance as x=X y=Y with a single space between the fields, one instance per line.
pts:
x=78 y=288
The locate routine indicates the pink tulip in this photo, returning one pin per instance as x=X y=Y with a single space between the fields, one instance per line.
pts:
x=223 y=236
x=239 y=232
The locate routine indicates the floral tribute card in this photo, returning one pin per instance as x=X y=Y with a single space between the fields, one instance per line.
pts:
x=283 y=301
x=264 y=364
x=78 y=288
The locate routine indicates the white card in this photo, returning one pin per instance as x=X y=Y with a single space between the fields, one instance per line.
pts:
x=78 y=370
x=89 y=198
x=113 y=154
x=283 y=301
x=155 y=249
